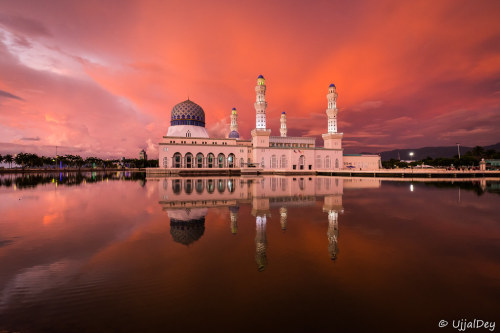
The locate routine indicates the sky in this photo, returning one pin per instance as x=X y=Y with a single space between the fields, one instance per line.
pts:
x=99 y=78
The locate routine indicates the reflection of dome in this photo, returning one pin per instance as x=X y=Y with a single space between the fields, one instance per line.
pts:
x=234 y=209
x=234 y=135
x=187 y=225
x=187 y=113
x=187 y=232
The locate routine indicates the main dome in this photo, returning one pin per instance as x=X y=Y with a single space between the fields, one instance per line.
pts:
x=187 y=113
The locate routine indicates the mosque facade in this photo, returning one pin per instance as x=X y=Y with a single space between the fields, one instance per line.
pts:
x=187 y=144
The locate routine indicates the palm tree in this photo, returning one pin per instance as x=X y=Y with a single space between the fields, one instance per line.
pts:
x=8 y=159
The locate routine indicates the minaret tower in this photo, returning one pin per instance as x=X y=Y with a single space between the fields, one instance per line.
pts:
x=283 y=124
x=332 y=108
x=260 y=135
x=260 y=103
x=332 y=139
x=234 y=120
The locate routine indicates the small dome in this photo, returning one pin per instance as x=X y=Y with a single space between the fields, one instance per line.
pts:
x=234 y=109
x=332 y=86
x=234 y=135
x=261 y=81
x=283 y=112
x=187 y=113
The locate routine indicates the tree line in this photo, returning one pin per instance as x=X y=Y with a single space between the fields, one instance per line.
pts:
x=469 y=159
x=30 y=160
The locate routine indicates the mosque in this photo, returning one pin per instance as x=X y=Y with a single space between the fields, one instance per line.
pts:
x=187 y=144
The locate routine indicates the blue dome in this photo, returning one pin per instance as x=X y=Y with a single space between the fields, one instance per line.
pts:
x=234 y=135
x=187 y=113
x=260 y=77
x=283 y=112
x=331 y=85
x=234 y=109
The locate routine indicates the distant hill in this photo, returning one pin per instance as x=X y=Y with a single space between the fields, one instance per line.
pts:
x=434 y=152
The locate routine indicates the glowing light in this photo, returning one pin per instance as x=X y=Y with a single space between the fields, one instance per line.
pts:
x=411 y=188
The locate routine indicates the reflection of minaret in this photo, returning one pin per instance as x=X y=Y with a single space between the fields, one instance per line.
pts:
x=283 y=217
x=233 y=213
x=260 y=242
x=333 y=205
x=333 y=233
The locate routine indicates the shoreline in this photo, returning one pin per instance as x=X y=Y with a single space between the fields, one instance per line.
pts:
x=14 y=170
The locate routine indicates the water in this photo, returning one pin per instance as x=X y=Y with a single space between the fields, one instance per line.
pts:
x=122 y=253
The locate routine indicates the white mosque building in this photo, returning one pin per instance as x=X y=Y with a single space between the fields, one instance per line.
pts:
x=187 y=144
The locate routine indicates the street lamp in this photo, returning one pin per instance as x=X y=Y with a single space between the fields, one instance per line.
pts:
x=411 y=156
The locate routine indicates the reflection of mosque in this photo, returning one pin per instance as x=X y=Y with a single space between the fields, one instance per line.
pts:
x=187 y=200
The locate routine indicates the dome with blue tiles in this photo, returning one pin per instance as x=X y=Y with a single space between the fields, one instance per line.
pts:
x=234 y=135
x=187 y=113
x=331 y=86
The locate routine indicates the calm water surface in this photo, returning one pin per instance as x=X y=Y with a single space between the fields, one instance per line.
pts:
x=122 y=253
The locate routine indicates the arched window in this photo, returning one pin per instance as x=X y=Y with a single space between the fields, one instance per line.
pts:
x=262 y=162
x=177 y=160
x=230 y=160
x=165 y=160
x=188 y=134
x=284 y=162
x=199 y=160
x=188 y=160
x=273 y=162
x=302 y=162
x=221 y=159
x=328 y=163
x=336 y=163
x=318 y=161
x=210 y=160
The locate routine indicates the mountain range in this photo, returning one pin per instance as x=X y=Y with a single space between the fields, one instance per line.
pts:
x=434 y=152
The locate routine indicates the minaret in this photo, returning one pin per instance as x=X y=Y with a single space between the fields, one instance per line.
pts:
x=260 y=103
x=283 y=124
x=260 y=135
x=234 y=120
x=332 y=108
x=332 y=139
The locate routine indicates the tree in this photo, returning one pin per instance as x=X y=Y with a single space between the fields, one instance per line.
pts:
x=1 y=159
x=8 y=159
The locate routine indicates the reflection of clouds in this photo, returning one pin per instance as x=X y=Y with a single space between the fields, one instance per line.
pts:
x=49 y=218
x=36 y=280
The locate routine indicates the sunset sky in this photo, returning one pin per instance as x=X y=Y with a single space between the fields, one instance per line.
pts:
x=101 y=77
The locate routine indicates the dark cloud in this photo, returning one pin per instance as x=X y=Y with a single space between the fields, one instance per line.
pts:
x=31 y=139
x=24 y=25
x=9 y=95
